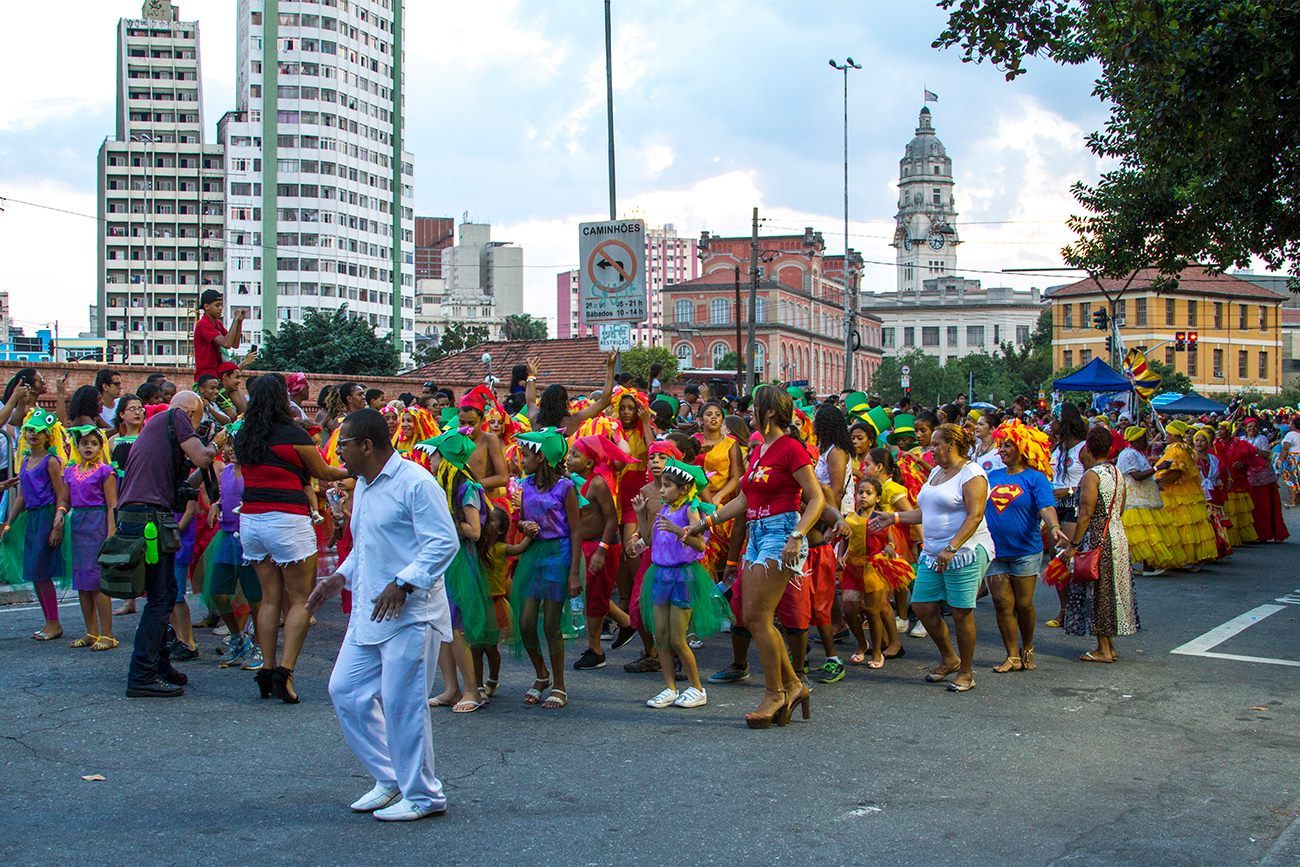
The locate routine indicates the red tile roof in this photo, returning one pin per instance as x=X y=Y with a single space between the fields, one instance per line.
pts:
x=576 y=363
x=1192 y=281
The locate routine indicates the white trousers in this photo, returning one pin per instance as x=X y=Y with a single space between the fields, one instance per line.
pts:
x=379 y=693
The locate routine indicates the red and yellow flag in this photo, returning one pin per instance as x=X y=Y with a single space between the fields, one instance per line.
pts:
x=1144 y=379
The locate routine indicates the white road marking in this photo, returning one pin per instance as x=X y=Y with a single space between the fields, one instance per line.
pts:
x=6 y=609
x=1202 y=645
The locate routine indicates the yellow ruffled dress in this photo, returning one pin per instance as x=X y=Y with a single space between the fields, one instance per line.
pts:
x=1149 y=529
x=1192 y=539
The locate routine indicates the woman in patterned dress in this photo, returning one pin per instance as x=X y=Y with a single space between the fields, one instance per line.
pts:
x=1106 y=607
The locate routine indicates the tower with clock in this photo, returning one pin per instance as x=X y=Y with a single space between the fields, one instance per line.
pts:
x=925 y=236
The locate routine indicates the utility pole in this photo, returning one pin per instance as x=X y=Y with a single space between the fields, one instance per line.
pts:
x=850 y=271
x=740 y=358
x=609 y=103
x=751 y=382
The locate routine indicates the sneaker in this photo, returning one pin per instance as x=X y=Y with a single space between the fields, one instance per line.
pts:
x=221 y=629
x=663 y=699
x=183 y=653
x=692 y=697
x=731 y=674
x=234 y=653
x=901 y=624
x=693 y=641
x=253 y=659
x=832 y=671
x=642 y=665
x=918 y=631
x=608 y=630
x=622 y=637
x=589 y=660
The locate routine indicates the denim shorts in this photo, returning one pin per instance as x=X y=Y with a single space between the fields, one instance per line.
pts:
x=277 y=536
x=1019 y=567
x=767 y=538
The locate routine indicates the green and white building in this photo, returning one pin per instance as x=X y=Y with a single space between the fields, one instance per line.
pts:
x=318 y=184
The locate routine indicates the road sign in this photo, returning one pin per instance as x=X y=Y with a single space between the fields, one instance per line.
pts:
x=907 y=371
x=614 y=335
x=907 y=381
x=611 y=278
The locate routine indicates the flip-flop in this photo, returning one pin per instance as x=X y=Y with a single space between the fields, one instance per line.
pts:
x=41 y=635
x=1088 y=657
x=467 y=705
x=857 y=657
x=875 y=663
x=956 y=687
x=902 y=651
x=439 y=701
x=936 y=677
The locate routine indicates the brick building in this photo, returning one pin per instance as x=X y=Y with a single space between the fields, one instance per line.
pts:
x=432 y=236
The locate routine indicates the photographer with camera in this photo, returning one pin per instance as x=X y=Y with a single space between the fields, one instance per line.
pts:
x=154 y=489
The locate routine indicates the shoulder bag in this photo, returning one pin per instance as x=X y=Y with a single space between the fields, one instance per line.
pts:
x=1086 y=565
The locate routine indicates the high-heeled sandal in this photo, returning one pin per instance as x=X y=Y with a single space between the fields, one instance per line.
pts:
x=802 y=696
x=264 y=682
x=757 y=720
x=280 y=685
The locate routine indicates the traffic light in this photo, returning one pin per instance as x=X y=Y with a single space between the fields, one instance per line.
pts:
x=1110 y=344
x=1180 y=341
x=1100 y=319
x=1191 y=341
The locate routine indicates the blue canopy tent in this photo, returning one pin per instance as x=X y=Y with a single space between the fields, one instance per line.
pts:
x=1191 y=404
x=1165 y=397
x=1096 y=376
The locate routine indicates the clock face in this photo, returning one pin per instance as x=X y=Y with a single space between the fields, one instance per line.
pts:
x=907 y=244
x=936 y=240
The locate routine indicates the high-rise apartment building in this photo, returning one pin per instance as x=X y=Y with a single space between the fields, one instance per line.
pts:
x=480 y=281
x=318 y=184
x=160 y=192
x=669 y=259
x=432 y=236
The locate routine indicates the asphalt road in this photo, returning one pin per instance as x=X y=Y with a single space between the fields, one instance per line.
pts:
x=1161 y=758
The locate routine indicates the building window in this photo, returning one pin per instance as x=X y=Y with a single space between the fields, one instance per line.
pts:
x=1069 y=316
x=760 y=309
x=952 y=336
x=1169 y=311
x=1263 y=365
x=1192 y=355
x=1263 y=318
x=1218 y=314
x=685 y=356
x=1243 y=364
x=1022 y=335
x=974 y=335
x=909 y=336
x=760 y=360
x=1085 y=355
x=997 y=334
x=719 y=352
x=1243 y=321
x=1169 y=356
x=1067 y=358
x=887 y=338
x=930 y=335
x=1191 y=314
x=1140 y=311
x=718 y=312
x=1218 y=363
x=1085 y=314
x=682 y=312
x=935 y=196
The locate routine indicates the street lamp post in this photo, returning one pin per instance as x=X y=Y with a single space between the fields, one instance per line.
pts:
x=850 y=272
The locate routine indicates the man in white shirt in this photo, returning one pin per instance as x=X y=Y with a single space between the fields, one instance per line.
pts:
x=403 y=541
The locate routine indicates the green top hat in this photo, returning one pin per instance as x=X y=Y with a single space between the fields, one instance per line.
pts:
x=904 y=426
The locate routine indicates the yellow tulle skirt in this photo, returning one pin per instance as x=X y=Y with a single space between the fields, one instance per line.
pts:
x=1150 y=535
x=1192 y=538
x=1240 y=510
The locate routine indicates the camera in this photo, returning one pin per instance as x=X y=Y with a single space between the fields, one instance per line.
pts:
x=207 y=429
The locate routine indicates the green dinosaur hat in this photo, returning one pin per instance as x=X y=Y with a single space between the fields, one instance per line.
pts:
x=41 y=421
x=452 y=446
x=450 y=418
x=547 y=442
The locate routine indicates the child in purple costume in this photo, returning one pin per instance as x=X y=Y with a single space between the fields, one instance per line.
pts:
x=92 y=490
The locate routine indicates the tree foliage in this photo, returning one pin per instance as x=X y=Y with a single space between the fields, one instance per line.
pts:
x=1170 y=378
x=1204 y=125
x=730 y=361
x=330 y=341
x=456 y=337
x=638 y=359
x=521 y=326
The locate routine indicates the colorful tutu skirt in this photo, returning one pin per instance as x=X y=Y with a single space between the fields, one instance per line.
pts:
x=26 y=554
x=471 y=607
x=896 y=572
x=684 y=586
x=1150 y=534
x=1192 y=539
x=84 y=530
x=225 y=572
x=542 y=575
x=1240 y=508
x=716 y=547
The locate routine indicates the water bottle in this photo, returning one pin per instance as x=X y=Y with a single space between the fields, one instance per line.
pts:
x=151 y=543
x=577 y=616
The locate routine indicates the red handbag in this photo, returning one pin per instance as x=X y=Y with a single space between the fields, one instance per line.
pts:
x=1086 y=565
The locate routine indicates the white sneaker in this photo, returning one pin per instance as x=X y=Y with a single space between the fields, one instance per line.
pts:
x=900 y=623
x=663 y=699
x=376 y=799
x=692 y=697
x=221 y=629
x=407 y=811
x=918 y=631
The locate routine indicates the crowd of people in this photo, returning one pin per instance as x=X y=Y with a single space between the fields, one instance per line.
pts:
x=564 y=528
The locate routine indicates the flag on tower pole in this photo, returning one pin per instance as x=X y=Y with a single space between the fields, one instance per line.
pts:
x=931 y=96
x=1145 y=380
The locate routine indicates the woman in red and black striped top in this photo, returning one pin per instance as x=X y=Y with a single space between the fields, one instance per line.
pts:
x=278 y=460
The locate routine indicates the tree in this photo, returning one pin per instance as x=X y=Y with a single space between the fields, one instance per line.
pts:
x=1170 y=379
x=730 y=361
x=330 y=341
x=1030 y=366
x=1203 y=128
x=638 y=359
x=521 y=326
x=457 y=337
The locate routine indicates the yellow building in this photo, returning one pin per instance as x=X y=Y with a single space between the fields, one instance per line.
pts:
x=1237 y=326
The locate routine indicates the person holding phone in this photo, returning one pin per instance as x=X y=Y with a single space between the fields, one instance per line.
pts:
x=212 y=341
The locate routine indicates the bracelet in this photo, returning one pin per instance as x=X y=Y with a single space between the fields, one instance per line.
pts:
x=603 y=545
x=531 y=379
x=733 y=562
x=62 y=510
x=895 y=521
x=709 y=521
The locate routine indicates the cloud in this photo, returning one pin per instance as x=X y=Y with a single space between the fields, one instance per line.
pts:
x=47 y=258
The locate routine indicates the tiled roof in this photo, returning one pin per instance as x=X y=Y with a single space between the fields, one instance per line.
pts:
x=1192 y=281
x=576 y=363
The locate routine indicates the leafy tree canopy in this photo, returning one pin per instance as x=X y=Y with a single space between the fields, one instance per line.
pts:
x=330 y=341
x=521 y=326
x=638 y=359
x=1204 y=125
x=456 y=337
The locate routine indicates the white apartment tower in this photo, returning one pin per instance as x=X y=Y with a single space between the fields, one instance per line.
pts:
x=318 y=184
x=160 y=191
x=926 y=235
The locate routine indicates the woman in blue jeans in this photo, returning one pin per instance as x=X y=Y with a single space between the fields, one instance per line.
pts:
x=955 y=554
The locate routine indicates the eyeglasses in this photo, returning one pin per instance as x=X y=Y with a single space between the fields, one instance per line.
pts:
x=345 y=440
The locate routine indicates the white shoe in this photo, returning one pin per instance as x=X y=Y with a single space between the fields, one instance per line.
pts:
x=692 y=697
x=918 y=631
x=900 y=624
x=406 y=811
x=221 y=629
x=663 y=699
x=376 y=799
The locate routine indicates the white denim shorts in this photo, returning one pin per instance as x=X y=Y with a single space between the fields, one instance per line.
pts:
x=279 y=536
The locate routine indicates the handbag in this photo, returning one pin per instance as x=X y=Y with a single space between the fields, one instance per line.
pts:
x=1261 y=476
x=1086 y=565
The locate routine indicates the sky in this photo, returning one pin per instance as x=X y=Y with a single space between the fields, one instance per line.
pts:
x=719 y=107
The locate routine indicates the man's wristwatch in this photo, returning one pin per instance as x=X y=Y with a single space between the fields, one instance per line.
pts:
x=950 y=549
x=403 y=586
x=797 y=535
